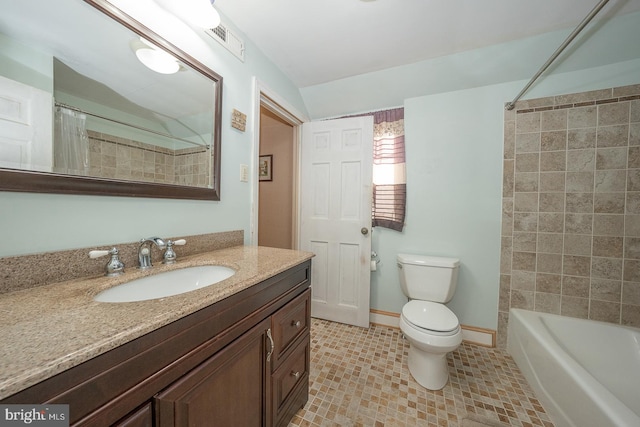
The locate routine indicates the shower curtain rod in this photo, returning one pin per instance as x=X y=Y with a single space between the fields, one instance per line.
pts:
x=166 y=135
x=558 y=51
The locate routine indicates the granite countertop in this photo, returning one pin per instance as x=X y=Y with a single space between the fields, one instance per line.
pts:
x=49 y=329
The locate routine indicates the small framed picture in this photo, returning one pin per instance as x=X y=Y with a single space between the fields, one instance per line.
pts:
x=265 y=168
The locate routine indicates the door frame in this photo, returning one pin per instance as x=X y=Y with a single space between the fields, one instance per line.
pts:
x=264 y=96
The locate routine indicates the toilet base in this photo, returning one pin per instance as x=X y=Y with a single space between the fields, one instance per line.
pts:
x=430 y=370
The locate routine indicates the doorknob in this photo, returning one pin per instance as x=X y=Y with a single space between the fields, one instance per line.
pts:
x=364 y=231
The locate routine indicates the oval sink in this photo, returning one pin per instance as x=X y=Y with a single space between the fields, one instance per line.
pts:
x=166 y=284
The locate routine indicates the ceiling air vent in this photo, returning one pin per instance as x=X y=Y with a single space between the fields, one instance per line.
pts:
x=228 y=39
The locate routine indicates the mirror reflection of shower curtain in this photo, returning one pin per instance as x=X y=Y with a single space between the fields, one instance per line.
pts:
x=70 y=143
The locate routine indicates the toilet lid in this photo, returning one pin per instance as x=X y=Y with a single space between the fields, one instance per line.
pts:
x=430 y=315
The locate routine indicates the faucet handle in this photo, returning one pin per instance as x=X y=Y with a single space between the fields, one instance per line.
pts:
x=169 y=254
x=97 y=254
x=114 y=267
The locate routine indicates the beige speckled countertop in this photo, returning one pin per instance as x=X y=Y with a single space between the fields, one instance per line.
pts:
x=49 y=329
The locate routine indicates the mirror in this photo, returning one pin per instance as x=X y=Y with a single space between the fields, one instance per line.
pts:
x=81 y=114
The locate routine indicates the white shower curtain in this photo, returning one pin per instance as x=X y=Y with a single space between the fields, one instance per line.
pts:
x=70 y=143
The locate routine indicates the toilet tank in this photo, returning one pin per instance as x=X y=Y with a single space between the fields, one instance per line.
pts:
x=428 y=278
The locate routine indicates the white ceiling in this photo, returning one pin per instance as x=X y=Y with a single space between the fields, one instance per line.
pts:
x=314 y=42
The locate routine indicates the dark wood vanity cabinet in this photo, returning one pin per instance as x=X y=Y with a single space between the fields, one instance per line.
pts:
x=243 y=361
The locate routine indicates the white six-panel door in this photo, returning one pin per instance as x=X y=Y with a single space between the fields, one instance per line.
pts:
x=26 y=122
x=335 y=220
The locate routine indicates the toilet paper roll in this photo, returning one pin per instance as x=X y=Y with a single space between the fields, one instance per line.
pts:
x=374 y=265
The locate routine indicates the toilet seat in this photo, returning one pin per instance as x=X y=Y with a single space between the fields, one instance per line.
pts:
x=431 y=317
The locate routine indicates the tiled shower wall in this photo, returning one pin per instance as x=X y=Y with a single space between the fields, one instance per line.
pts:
x=119 y=158
x=571 y=207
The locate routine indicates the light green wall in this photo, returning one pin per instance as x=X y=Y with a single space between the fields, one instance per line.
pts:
x=33 y=223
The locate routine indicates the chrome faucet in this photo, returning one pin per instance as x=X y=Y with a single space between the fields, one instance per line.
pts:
x=144 y=251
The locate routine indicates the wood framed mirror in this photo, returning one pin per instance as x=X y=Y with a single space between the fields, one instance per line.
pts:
x=145 y=134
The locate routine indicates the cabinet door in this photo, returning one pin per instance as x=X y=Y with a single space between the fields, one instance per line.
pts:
x=229 y=389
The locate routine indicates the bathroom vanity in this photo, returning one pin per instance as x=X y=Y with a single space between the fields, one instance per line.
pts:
x=236 y=354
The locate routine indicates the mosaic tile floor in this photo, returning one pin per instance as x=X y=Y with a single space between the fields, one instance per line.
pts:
x=359 y=377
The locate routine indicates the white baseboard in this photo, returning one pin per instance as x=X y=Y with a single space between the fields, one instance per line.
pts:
x=470 y=334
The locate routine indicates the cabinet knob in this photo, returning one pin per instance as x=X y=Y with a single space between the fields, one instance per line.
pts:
x=295 y=375
x=296 y=323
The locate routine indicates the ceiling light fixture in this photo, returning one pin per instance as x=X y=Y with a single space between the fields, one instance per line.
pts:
x=201 y=13
x=155 y=58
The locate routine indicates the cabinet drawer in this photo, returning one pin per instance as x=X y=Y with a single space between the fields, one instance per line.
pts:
x=289 y=323
x=142 y=417
x=290 y=378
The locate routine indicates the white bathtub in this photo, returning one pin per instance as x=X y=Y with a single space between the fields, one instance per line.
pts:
x=585 y=373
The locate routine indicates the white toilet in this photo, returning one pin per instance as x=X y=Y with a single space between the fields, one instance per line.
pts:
x=431 y=328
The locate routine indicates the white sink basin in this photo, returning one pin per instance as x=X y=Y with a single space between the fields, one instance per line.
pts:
x=166 y=284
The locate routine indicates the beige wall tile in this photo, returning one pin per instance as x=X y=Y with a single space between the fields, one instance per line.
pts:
x=608 y=246
x=581 y=138
x=525 y=221
x=606 y=268
x=527 y=181
x=527 y=162
x=527 y=142
x=577 y=244
x=629 y=90
x=607 y=181
x=575 y=286
x=631 y=270
x=550 y=222
x=613 y=114
x=630 y=315
x=635 y=111
x=553 y=140
x=552 y=181
x=633 y=180
x=525 y=202
x=522 y=299
x=578 y=223
x=605 y=311
x=579 y=202
x=553 y=161
x=553 y=120
x=525 y=242
x=551 y=202
x=631 y=293
x=547 y=303
x=582 y=117
x=523 y=261
x=527 y=122
x=548 y=283
x=611 y=158
x=576 y=265
x=632 y=225
x=608 y=225
x=633 y=157
x=523 y=280
x=634 y=134
x=575 y=98
x=581 y=160
x=549 y=263
x=580 y=182
x=550 y=242
x=613 y=136
x=609 y=203
x=606 y=290
x=574 y=307
x=508 y=178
